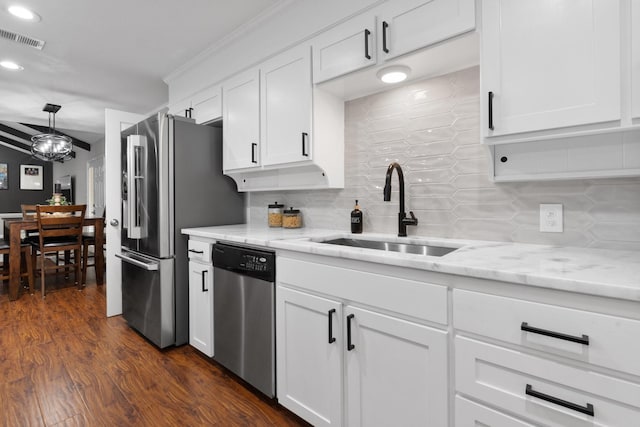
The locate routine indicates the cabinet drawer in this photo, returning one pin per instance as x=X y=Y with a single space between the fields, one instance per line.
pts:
x=200 y=251
x=541 y=390
x=409 y=297
x=610 y=339
x=471 y=414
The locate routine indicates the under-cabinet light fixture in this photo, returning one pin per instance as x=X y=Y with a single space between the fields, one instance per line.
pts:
x=394 y=73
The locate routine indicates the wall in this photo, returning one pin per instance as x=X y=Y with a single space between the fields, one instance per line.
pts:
x=11 y=199
x=431 y=127
x=77 y=168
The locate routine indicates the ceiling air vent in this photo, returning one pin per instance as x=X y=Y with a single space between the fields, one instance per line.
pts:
x=19 y=38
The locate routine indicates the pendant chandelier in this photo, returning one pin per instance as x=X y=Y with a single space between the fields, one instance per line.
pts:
x=51 y=146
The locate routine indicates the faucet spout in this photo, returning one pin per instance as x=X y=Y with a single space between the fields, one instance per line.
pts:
x=403 y=221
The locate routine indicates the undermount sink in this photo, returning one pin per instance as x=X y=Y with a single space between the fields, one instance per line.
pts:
x=409 y=248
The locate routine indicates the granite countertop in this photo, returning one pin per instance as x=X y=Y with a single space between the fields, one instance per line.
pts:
x=603 y=272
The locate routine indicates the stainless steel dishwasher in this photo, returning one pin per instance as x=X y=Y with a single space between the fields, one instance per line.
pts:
x=244 y=313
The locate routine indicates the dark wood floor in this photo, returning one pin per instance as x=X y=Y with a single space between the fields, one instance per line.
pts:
x=63 y=363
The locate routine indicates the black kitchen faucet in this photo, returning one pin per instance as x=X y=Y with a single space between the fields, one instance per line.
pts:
x=403 y=221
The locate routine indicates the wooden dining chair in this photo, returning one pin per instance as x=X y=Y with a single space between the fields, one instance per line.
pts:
x=60 y=229
x=25 y=252
x=29 y=212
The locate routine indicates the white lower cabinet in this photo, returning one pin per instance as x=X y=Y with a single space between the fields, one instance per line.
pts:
x=201 y=307
x=309 y=356
x=340 y=364
x=395 y=371
x=542 y=390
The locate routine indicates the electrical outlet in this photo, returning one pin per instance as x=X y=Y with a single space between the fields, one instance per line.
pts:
x=551 y=218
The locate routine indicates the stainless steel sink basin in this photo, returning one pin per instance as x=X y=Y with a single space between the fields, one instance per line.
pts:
x=408 y=248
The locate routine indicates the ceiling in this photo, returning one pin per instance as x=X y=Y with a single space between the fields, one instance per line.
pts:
x=107 y=54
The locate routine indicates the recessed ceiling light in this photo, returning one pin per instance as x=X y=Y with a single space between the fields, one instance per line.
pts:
x=23 y=13
x=10 y=65
x=394 y=73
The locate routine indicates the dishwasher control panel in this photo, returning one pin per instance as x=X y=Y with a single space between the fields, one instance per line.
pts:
x=247 y=261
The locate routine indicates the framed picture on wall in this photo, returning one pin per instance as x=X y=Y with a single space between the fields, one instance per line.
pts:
x=30 y=177
x=4 y=177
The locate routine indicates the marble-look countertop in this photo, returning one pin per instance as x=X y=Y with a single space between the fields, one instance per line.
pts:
x=603 y=272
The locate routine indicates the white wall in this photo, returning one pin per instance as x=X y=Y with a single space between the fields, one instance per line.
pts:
x=431 y=127
x=78 y=169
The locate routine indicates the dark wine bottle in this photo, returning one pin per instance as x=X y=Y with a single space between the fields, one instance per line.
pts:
x=356 y=219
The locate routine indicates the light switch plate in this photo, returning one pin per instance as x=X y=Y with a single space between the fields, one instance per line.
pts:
x=551 y=218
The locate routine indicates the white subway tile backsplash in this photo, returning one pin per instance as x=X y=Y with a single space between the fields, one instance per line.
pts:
x=431 y=127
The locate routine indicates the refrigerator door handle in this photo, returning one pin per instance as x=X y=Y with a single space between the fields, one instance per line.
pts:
x=135 y=146
x=149 y=266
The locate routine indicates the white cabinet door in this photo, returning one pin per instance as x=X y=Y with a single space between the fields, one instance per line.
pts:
x=309 y=365
x=548 y=64
x=207 y=105
x=407 y=25
x=347 y=47
x=285 y=100
x=201 y=307
x=635 y=59
x=396 y=371
x=241 y=116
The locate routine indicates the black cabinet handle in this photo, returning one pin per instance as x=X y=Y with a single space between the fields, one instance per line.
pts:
x=253 y=152
x=349 y=345
x=332 y=339
x=384 y=36
x=195 y=251
x=367 y=33
x=588 y=409
x=204 y=281
x=304 y=147
x=584 y=339
x=490 y=110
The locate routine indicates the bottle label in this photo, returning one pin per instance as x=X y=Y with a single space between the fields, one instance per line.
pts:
x=355 y=220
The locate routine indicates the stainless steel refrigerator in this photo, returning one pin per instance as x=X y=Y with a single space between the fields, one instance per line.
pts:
x=171 y=179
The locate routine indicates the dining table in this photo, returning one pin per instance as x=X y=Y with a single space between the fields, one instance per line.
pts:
x=13 y=228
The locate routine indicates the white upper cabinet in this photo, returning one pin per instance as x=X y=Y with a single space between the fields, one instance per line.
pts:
x=549 y=64
x=347 y=47
x=407 y=25
x=241 y=118
x=207 y=105
x=286 y=99
x=635 y=59
x=393 y=29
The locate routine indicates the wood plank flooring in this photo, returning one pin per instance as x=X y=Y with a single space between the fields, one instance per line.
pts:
x=63 y=363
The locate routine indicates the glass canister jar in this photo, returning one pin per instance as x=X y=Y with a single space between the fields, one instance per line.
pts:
x=275 y=215
x=292 y=218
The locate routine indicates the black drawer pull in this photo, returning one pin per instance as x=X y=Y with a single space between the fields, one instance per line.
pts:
x=588 y=409
x=332 y=339
x=349 y=345
x=385 y=26
x=584 y=339
x=367 y=33
x=195 y=251
x=204 y=281
x=490 y=110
